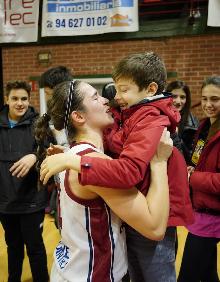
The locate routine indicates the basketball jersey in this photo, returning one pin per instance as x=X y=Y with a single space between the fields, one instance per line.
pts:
x=92 y=246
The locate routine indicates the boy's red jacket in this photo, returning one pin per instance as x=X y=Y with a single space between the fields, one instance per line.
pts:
x=136 y=143
x=205 y=180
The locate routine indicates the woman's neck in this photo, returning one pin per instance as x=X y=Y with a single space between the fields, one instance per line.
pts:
x=92 y=137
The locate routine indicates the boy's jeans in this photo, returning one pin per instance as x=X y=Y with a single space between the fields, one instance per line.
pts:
x=151 y=261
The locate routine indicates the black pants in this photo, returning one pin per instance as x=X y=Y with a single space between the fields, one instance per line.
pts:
x=199 y=262
x=20 y=230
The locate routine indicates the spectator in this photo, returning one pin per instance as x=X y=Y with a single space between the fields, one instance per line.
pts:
x=199 y=262
x=188 y=123
x=22 y=205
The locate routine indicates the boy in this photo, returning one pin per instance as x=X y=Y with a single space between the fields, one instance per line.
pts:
x=48 y=80
x=53 y=76
x=139 y=80
x=21 y=204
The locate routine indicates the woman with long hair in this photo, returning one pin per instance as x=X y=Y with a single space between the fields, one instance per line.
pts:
x=92 y=246
x=199 y=261
x=188 y=123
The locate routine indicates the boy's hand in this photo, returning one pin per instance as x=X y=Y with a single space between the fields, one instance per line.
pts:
x=52 y=165
x=55 y=149
x=165 y=147
x=22 y=167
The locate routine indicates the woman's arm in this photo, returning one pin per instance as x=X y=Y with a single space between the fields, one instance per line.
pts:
x=146 y=215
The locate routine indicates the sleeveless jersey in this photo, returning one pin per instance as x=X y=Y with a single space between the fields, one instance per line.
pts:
x=92 y=246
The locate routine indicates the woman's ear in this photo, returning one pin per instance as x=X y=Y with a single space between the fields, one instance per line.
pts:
x=6 y=100
x=77 y=117
x=152 y=88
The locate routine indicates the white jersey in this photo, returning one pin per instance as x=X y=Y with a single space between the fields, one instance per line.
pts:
x=92 y=248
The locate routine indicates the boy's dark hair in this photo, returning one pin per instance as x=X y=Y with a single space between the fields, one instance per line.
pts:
x=178 y=84
x=109 y=91
x=142 y=68
x=17 y=85
x=54 y=76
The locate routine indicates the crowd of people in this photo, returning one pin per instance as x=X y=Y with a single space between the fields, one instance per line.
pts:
x=121 y=170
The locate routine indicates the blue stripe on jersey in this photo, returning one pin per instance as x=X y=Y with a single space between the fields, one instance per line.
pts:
x=91 y=256
x=112 y=241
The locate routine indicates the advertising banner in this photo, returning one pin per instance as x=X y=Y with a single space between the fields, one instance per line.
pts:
x=214 y=13
x=19 y=20
x=74 y=17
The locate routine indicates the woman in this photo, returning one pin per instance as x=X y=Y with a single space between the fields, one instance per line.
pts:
x=92 y=247
x=188 y=123
x=200 y=254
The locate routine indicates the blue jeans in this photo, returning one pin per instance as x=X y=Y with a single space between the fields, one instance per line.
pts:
x=151 y=261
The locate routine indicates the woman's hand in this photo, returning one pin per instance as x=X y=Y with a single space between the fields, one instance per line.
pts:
x=164 y=149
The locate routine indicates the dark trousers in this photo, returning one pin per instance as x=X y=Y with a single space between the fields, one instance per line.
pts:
x=20 y=230
x=199 y=262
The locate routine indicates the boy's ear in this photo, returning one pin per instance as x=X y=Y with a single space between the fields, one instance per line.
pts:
x=77 y=117
x=152 y=88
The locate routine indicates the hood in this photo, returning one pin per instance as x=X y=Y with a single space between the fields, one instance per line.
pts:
x=163 y=103
x=27 y=118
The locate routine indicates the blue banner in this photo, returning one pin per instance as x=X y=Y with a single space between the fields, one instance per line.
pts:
x=72 y=17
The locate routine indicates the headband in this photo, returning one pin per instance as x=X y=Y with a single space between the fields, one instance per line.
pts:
x=69 y=103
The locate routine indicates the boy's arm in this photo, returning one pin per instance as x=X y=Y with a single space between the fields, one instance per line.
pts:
x=131 y=166
x=123 y=173
x=147 y=215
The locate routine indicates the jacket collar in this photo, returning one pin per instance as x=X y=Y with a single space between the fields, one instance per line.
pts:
x=163 y=102
x=214 y=129
x=25 y=119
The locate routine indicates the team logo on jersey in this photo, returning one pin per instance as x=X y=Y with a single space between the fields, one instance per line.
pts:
x=62 y=255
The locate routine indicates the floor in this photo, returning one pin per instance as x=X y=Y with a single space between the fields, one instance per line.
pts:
x=51 y=238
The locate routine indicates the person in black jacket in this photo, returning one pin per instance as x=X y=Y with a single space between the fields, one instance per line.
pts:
x=188 y=123
x=22 y=203
x=46 y=134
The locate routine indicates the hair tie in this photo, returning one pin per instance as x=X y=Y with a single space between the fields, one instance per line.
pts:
x=46 y=117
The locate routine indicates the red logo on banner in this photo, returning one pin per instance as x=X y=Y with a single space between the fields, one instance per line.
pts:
x=18 y=18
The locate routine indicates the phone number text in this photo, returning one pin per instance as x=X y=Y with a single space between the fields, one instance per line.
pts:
x=81 y=22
